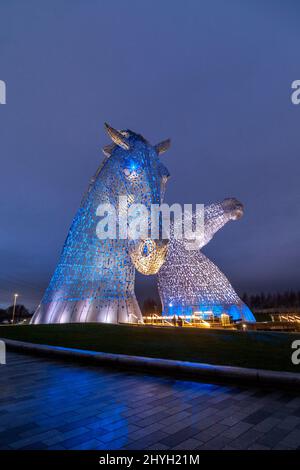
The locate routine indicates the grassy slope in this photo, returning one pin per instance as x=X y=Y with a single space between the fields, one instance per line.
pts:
x=265 y=350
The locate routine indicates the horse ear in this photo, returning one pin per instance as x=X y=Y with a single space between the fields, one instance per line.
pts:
x=117 y=137
x=162 y=146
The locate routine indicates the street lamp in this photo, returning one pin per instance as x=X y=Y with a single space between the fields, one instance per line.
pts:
x=14 y=309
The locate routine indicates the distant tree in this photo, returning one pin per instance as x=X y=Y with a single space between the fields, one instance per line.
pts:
x=3 y=315
x=256 y=301
x=292 y=299
x=287 y=299
x=269 y=301
x=262 y=301
x=245 y=298
x=278 y=300
x=151 y=306
x=21 y=313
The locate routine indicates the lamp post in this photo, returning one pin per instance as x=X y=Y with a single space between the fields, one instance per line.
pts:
x=14 y=308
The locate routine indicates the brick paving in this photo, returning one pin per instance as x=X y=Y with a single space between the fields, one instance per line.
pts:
x=47 y=404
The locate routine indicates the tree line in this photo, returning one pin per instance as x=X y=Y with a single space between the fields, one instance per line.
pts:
x=288 y=299
x=21 y=313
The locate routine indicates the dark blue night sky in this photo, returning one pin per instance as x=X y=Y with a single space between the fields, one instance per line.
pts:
x=214 y=76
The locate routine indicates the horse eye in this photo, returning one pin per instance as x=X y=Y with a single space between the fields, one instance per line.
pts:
x=131 y=169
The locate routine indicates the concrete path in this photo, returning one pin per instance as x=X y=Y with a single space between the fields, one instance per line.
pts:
x=49 y=404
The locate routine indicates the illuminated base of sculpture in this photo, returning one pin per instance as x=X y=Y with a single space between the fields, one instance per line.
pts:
x=191 y=284
x=89 y=310
x=210 y=312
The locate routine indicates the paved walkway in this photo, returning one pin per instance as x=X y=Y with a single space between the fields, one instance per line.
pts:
x=55 y=405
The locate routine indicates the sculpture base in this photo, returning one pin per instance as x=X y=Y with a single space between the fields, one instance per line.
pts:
x=237 y=312
x=88 y=311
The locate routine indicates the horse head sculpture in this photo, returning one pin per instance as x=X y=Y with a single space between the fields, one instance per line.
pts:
x=190 y=284
x=94 y=278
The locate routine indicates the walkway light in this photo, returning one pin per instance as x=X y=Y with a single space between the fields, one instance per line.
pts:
x=14 y=307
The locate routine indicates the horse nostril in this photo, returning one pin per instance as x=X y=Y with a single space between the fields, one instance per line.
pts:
x=239 y=212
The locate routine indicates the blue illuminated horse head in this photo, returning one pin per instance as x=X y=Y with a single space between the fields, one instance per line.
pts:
x=94 y=279
x=136 y=165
